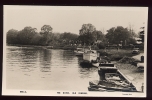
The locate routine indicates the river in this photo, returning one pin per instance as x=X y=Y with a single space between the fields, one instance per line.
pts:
x=34 y=68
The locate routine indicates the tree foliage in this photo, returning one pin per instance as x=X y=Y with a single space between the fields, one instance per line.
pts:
x=11 y=37
x=87 y=39
x=87 y=28
x=46 y=29
x=30 y=36
x=99 y=36
x=46 y=32
x=87 y=34
x=25 y=36
x=118 y=34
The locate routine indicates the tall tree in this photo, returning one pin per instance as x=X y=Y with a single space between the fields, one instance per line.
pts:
x=46 y=31
x=119 y=35
x=87 y=28
x=87 y=35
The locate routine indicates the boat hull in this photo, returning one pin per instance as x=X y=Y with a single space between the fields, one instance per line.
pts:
x=111 y=79
x=110 y=86
x=85 y=63
x=95 y=64
x=90 y=56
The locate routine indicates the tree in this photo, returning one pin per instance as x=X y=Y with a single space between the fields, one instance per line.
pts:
x=36 y=39
x=118 y=35
x=99 y=35
x=46 y=31
x=25 y=36
x=68 y=38
x=87 y=35
x=11 y=37
x=101 y=40
x=87 y=28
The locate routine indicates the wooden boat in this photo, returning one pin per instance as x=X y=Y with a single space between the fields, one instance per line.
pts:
x=111 y=79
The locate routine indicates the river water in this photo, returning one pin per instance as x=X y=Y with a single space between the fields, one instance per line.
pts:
x=34 y=68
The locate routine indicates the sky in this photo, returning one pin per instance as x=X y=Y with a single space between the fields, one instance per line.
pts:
x=70 y=19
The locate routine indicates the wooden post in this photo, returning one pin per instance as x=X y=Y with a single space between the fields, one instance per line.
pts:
x=142 y=58
x=101 y=74
x=142 y=87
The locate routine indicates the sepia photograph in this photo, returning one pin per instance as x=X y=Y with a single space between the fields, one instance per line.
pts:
x=74 y=51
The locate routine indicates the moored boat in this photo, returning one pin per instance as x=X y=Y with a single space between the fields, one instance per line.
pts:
x=89 y=56
x=111 y=79
x=96 y=64
x=79 y=51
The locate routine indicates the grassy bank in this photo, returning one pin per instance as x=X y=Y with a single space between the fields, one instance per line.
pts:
x=116 y=55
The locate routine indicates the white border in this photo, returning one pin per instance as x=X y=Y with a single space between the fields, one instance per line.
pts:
x=89 y=94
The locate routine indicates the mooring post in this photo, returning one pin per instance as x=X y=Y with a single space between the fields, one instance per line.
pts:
x=101 y=74
x=142 y=87
x=142 y=58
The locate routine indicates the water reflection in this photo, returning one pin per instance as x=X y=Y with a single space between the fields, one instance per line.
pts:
x=68 y=54
x=38 y=68
x=45 y=60
x=86 y=71
x=22 y=59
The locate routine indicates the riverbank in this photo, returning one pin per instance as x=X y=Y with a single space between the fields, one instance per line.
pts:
x=132 y=73
x=116 y=55
x=65 y=47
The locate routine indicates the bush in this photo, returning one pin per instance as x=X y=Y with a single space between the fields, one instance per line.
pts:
x=102 y=53
x=116 y=57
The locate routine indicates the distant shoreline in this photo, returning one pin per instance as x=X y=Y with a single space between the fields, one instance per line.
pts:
x=65 y=47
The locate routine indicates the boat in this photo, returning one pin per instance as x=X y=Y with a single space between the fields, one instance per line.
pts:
x=95 y=64
x=100 y=60
x=111 y=79
x=89 y=56
x=79 y=51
